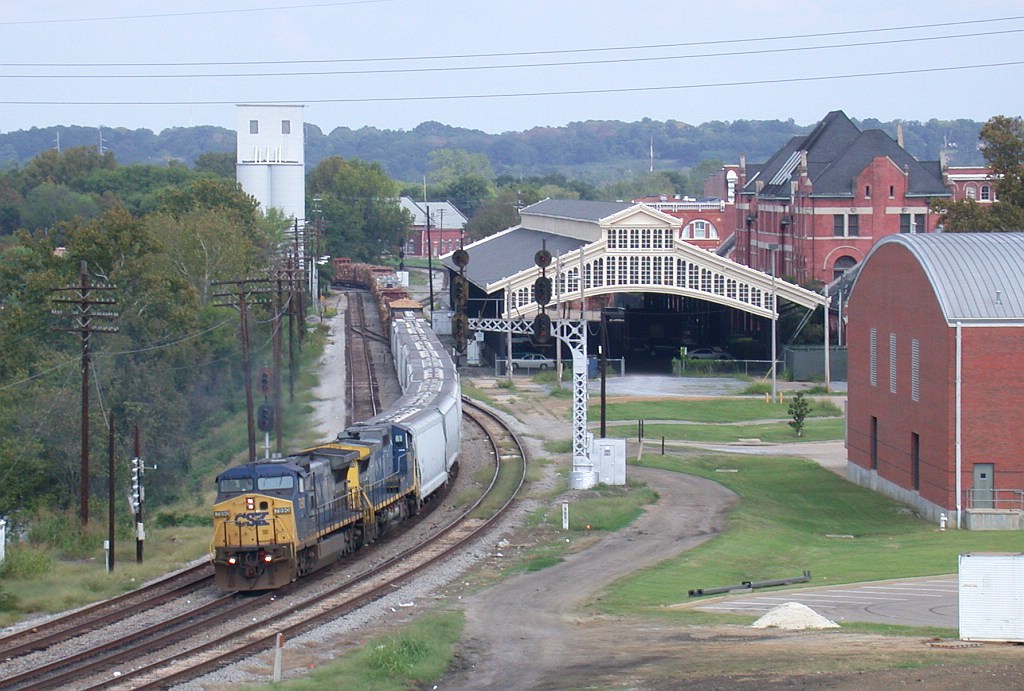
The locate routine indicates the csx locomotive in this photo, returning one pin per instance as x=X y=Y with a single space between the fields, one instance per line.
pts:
x=278 y=520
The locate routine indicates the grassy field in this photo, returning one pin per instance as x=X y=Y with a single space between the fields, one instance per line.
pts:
x=794 y=516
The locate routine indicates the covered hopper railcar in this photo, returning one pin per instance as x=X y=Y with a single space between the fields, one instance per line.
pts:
x=280 y=519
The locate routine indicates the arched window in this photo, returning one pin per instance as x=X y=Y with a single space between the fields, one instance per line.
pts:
x=971 y=192
x=700 y=230
x=842 y=265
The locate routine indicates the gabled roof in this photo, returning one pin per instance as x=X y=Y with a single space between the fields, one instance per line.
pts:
x=837 y=151
x=976 y=277
x=440 y=212
x=509 y=252
x=575 y=209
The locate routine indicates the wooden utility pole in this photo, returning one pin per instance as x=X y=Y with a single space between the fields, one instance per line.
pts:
x=244 y=294
x=84 y=299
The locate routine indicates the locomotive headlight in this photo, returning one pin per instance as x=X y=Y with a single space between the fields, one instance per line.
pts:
x=266 y=558
x=232 y=560
x=250 y=503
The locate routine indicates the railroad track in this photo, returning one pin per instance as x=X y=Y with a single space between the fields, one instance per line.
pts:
x=363 y=396
x=56 y=630
x=215 y=635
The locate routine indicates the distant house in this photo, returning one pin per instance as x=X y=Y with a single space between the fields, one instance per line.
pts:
x=436 y=224
x=936 y=375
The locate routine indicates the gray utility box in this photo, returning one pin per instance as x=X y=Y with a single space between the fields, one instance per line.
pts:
x=991 y=587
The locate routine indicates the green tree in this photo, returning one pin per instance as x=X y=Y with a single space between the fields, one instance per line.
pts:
x=220 y=163
x=799 y=409
x=1002 y=144
x=362 y=218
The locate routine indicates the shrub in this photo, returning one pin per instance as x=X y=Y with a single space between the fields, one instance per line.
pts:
x=23 y=561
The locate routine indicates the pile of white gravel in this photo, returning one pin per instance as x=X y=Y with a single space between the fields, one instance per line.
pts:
x=793 y=615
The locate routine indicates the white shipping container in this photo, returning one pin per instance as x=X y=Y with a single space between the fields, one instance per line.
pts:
x=991 y=590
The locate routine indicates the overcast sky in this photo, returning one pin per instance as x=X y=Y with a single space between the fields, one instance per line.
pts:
x=502 y=65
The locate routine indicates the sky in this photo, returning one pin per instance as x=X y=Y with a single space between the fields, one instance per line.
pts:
x=506 y=65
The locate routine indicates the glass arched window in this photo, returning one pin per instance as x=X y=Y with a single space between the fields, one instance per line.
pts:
x=842 y=265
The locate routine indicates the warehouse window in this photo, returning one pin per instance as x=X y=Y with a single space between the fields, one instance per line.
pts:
x=915 y=370
x=286 y=127
x=892 y=363
x=873 y=339
x=254 y=127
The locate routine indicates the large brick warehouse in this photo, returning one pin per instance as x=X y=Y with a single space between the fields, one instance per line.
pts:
x=936 y=376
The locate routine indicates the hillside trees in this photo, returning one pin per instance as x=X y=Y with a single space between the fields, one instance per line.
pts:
x=173 y=366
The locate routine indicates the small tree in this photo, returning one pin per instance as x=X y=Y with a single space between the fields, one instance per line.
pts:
x=798 y=409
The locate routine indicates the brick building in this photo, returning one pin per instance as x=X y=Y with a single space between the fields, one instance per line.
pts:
x=707 y=222
x=936 y=387
x=819 y=204
x=446 y=227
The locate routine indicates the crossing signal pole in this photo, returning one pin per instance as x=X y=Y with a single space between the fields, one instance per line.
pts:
x=84 y=297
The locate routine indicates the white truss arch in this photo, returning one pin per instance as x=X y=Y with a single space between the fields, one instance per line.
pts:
x=679 y=269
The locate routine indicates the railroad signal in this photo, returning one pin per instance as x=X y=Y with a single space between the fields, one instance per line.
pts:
x=460 y=258
x=542 y=291
x=541 y=328
x=460 y=327
x=265 y=418
x=461 y=290
x=265 y=381
x=542 y=259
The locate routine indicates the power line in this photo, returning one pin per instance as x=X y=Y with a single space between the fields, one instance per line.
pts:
x=468 y=68
x=573 y=92
x=197 y=13
x=562 y=51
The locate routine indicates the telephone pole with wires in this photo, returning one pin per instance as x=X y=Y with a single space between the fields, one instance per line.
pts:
x=83 y=298
x=247 y=291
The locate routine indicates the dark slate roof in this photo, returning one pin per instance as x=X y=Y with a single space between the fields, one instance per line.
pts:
x=509 y=252
x=976 y=277
x=836 y=153
x=576 y=209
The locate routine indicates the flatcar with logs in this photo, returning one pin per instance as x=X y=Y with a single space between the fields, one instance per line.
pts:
x=280 y=519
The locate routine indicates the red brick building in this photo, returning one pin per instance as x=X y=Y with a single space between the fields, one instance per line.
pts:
x=445 y=232
x=817 y=206
x=706 y=222
x=936 y=387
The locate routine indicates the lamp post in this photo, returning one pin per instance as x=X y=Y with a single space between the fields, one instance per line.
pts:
x=773 y=247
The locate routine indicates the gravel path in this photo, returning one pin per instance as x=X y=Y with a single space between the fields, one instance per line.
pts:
x=526 y=629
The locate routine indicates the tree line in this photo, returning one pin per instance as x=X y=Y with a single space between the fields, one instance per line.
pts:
x=596 y=151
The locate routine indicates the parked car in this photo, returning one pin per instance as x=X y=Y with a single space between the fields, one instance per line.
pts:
x=707 y=354
x=531 y=361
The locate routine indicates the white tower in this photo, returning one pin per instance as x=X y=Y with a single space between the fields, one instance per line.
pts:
x=271 y=160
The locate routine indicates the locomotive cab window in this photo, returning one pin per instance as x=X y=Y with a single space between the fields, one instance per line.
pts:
x=235 y=485
x=277 y=482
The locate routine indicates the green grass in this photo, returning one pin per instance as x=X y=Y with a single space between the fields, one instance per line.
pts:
x=794 y=516
x=822 y=429
x=419 y=653
x=708 y=410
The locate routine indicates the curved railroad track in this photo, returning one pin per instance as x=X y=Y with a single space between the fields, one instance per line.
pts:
x=55 y=630
x=232 y=627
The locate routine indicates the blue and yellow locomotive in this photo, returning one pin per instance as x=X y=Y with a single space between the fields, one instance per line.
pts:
x=278 y=520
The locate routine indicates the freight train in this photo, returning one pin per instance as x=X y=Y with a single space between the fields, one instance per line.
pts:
x=280 y=519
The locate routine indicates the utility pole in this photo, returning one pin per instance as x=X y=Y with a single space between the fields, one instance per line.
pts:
x=430 y=268
x=83 y=299
x=243 y=295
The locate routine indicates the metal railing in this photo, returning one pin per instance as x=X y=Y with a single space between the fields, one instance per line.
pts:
x=1000 y=499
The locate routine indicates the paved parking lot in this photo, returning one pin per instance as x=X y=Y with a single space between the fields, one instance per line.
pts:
x=930 y=601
